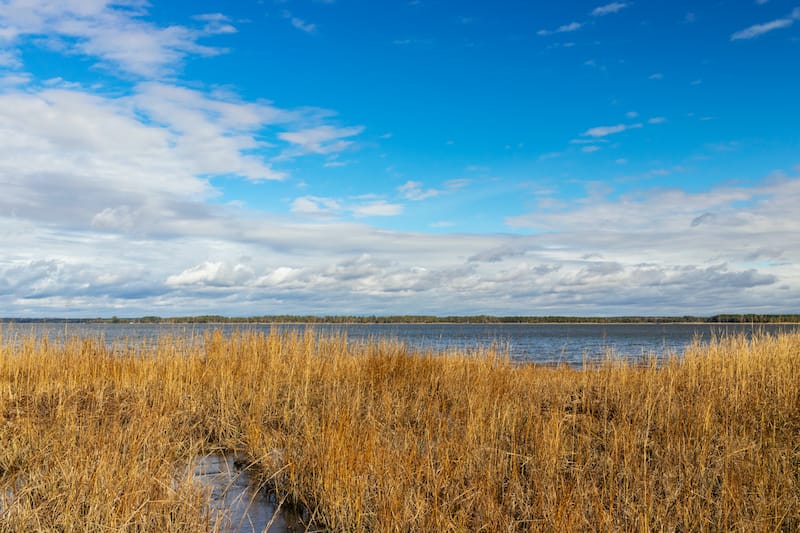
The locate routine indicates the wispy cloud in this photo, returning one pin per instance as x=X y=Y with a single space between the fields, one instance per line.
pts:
x=9 y=59
x=378 y=208
x=299 y=23
x=216 y=23
x=607 y=9
x=316 y=206
x=415 y=190
x=321 y=139
x=412 y=42
x=603 y=131
x=760 y=29
x=116 y=34
x=566 y=28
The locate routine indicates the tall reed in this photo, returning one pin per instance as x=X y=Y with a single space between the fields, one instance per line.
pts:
x=374 y=436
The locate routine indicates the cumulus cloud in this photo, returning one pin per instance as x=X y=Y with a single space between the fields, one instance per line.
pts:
x=213 y=273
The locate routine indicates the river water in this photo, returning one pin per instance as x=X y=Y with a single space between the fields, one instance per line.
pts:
x=541 y=343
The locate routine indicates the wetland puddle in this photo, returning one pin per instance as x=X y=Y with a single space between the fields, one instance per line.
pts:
x=239 y=504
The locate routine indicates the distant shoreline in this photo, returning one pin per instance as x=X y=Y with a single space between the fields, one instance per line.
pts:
x=721 y=319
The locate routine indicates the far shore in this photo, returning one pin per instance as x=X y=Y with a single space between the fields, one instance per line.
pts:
x=345 y=320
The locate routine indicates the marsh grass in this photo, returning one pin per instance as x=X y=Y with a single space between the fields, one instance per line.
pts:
x=377 y=437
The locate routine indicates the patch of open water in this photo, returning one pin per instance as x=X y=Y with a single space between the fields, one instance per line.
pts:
x=238 y=502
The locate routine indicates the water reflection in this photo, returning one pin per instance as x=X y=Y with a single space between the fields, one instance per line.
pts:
x=238 y=502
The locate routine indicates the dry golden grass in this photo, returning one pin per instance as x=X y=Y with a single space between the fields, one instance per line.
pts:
x=373 y=437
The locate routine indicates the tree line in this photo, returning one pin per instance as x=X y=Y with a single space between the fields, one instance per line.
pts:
x=748 y=318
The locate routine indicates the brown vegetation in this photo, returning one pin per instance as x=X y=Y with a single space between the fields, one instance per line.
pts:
x=374 y=437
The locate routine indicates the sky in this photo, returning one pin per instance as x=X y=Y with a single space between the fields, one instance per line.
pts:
x=332 y=157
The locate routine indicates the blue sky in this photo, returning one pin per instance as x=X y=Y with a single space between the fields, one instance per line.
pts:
x=350 y=157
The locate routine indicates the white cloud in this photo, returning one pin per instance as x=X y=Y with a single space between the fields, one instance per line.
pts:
x=573 y=26
x=92 y=140
x=690 y=252
x=299 y=23
x=367 y=206
x=607 y=9
x=216 y=23
x=603 y=131
x=315 y=205
x=656 y=120
x=378 y=208
x=9 y=59
x=11 y=80
x=321 y=139
x=656 y=76
x=213 y=134
x=760 y=29
x=136 y=165
x=114 y=33
x=412 y=190
x=212 y=273
x=116 y=218
x=457 y=183
x=566 y=28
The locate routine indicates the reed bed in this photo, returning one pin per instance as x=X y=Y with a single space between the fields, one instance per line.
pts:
x=377 y=437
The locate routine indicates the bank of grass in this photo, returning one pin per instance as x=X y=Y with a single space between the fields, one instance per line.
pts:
x=375 y=437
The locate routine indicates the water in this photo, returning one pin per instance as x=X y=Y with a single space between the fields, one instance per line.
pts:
x=541 y=343
x=240 y=505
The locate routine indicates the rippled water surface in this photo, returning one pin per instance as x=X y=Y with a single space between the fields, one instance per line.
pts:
x=543 y=343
